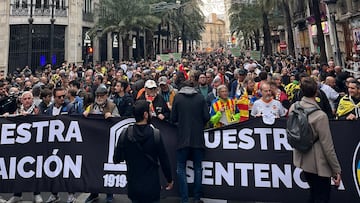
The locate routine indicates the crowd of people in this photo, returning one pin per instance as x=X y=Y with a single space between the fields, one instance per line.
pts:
x=234 y=89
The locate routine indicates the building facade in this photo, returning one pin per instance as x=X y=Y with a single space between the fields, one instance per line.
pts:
x=35 y=33
x=214 y=35
x=40 y=32
x=345 y=38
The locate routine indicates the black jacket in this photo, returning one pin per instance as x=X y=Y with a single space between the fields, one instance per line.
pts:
x=321 y=100
x=66 y=109
x=124 y=104
x=191 y=113
x=143 y=174
x=43 y=108
x=160 y=105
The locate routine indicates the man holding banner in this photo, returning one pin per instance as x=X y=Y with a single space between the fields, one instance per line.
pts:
x=107 y=108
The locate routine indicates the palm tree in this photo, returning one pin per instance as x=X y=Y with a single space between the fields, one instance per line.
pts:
x=314 y=7
x=250 y=18
x=290 y=34
x=266 y=7
x=245 y=19
x=263 y=15
x=191 y=20
x=124 y=17
x=169 y=14
x=315 y=11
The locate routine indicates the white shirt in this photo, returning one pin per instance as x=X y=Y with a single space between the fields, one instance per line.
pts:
x=56 y=111
x=274 y=107
x=331 y=94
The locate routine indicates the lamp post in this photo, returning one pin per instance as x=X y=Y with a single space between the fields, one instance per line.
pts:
x=178 y=2
x=31 y=20
x=52 y=21
x=183 y=36
x=331 y=4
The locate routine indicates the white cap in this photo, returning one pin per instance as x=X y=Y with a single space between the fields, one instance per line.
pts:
x=150 y=84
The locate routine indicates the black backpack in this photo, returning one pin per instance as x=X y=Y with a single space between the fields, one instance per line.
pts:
x=119 y=154
x=299 y=133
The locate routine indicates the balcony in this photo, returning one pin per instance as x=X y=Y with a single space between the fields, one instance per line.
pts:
x=42 y=12
x=25 y=10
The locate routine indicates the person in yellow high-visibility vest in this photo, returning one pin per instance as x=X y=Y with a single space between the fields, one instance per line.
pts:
x=223 y=110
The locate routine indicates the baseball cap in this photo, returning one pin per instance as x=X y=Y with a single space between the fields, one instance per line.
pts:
x=150 y=84
x=101 y=89
x=163 y=80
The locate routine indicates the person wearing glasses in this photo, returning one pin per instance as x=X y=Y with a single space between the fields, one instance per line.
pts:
x=60 y=106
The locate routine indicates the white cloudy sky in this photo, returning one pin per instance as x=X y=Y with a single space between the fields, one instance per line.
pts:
x=213 y=6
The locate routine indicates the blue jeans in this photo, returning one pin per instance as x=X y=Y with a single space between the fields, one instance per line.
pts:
x=182 y=157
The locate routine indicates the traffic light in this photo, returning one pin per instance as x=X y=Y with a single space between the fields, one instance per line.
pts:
x=233 y=39
x=90 y=50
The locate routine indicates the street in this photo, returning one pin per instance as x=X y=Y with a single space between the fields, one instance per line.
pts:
x=28 y=198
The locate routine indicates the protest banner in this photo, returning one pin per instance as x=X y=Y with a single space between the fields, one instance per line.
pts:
x=74 y=153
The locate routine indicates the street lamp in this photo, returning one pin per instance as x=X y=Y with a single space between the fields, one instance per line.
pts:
x=31 y=20
x=331 y=4
x=52 y=33
x=178 y=2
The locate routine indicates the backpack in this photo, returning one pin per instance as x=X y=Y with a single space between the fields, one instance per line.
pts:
x=119 y=153
x=299 y=133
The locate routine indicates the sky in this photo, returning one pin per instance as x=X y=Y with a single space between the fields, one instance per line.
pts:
x=213 y=6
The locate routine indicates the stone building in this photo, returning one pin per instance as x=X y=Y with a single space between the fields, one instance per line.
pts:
x=40 y=32
x=214 y=35
x=35 y=33
x=347 y=20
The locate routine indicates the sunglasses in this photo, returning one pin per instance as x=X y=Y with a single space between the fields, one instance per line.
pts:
x=60 y=96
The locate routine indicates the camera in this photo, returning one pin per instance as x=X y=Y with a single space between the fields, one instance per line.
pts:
x=9 y=104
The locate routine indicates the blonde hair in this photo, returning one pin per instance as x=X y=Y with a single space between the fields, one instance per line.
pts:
x=218 y=89
x=27 y=92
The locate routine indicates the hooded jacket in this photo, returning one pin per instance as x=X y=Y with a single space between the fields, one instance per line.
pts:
x=143 y=174
x=190 y=113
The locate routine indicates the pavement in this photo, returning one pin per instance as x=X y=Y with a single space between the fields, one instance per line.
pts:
x=118 y=198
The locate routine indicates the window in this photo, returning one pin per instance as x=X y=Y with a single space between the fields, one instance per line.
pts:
x=88 y=6
x=38 y=4
x=57 y=4
x=24 y=4
x=63 y=4
x=20 y=3
x=17 y=3
x=46 y=3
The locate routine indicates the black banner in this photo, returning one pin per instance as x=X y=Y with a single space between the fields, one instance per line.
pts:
x=247 y=161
